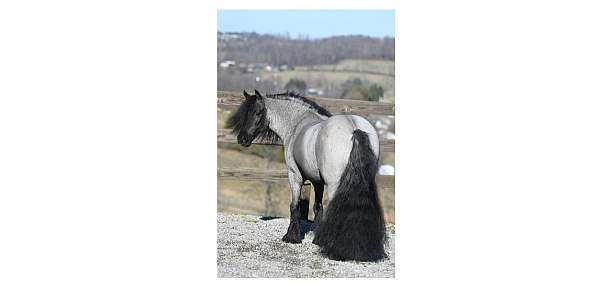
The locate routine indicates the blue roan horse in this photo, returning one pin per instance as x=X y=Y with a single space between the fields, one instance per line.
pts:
x=339 y=153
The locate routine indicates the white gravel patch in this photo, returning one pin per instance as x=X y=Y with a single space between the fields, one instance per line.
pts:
x=250 y=247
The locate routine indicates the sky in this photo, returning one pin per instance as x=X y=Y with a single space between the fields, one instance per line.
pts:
x=314 y=23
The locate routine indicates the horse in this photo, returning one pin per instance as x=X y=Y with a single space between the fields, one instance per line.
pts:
x=338 y=153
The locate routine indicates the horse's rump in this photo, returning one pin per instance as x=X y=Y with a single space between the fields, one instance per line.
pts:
x=353 y=227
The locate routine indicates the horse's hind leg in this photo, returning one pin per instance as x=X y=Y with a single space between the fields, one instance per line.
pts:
x=293 y=231
x=318 y=205
x=331 y=188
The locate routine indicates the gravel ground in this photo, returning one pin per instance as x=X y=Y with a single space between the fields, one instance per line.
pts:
x=249 y=246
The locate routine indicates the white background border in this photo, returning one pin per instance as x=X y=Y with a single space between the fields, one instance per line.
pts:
x=108 y=156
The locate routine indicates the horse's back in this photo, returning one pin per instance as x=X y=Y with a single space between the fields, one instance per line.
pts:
x=334 y=144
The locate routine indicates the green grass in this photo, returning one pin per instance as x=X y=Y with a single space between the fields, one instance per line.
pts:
x=380 y=72
x=384 y=67
x=321 y=79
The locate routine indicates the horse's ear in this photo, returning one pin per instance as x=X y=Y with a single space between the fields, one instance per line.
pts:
x=246 y=95
x=258 y=94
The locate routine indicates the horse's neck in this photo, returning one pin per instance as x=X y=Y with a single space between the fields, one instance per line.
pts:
x=285 y=115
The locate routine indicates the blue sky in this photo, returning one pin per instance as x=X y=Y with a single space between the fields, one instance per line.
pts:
x=314 y=23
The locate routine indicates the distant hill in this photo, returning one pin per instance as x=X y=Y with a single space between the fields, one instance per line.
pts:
x=243 y=47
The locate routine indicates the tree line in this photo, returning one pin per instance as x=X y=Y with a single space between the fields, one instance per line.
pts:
x=283 y=50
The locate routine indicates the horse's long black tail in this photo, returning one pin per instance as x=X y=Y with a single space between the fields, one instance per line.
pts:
x=353 y=227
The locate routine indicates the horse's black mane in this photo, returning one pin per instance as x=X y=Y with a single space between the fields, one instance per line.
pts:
x=285 y=96
x=238 y=120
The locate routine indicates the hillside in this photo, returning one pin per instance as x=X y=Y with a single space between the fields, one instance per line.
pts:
x=336 y=67
x=331 y=78
x=371 y=66
x=244 y=47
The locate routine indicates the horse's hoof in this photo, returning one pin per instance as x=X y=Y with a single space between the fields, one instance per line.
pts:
x=291 y=239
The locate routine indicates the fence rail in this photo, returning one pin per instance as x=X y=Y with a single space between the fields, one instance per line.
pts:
x=335 y=106
x=225 y=136
x=245 y=174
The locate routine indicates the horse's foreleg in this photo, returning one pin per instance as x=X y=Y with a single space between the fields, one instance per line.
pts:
x=293 y=231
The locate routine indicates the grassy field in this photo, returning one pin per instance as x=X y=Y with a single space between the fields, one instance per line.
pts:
x=267 y=199
x=380 y=72
x=383 y=67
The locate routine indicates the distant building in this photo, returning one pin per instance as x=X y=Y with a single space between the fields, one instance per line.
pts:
x=227 y=63
x=312 y=91
x=255 y=67
x=250 y=68
x=228 y=36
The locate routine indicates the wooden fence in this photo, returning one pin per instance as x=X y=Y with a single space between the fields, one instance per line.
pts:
x=230 y=100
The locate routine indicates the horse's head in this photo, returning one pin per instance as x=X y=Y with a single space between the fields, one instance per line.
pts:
x=250 y=120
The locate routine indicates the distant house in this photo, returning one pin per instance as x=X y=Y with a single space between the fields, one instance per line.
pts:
x=228 y=36
x=227 y=63
x=260 y=66
x=312 y=91
x=255 y=67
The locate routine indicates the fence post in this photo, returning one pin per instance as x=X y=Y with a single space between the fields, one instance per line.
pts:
x=304 y=201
